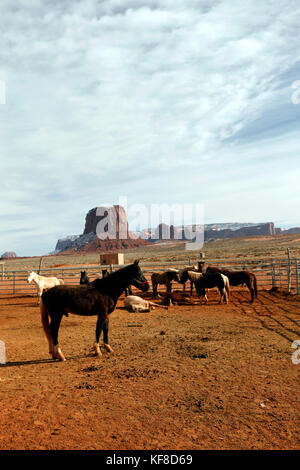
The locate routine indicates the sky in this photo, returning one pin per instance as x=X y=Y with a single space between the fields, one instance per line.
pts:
x=158 y=101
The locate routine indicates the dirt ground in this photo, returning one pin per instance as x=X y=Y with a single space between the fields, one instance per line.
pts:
x=191 y=377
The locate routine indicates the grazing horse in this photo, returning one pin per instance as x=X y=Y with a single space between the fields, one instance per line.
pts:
x=84 y=279
x=208 y=281
x=165 y=278
x=236 y=278
x=97 y=298
x=192 y=276
x=43 y=283
x=133 y=303
x=187 y=268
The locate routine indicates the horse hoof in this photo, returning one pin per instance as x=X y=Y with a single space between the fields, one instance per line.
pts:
x=108 y=348
x=57 y=354
x=97 y=350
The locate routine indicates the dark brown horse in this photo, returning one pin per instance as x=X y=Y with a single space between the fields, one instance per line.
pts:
x=84 y=279
x=165 y=278
x=236 y=278
x=97 y=298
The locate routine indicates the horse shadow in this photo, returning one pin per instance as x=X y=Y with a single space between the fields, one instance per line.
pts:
x=34 y=304
x=28 y=363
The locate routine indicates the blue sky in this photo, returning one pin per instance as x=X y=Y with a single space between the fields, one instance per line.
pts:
x=174 y=101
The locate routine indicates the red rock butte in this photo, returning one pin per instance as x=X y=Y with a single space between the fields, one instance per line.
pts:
x=115 y=217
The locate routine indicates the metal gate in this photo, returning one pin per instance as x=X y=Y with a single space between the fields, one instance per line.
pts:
x=269 y=273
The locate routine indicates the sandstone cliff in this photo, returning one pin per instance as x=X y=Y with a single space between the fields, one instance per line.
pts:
x=114 y=218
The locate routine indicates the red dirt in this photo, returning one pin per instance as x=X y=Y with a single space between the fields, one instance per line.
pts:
x=191 y=377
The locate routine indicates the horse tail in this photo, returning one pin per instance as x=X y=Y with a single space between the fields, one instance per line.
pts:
x=46 y=325
x=227 y=287
x=255 y=286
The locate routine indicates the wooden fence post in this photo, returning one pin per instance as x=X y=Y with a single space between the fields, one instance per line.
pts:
x=273 y=274
x=297 y=277
x=14 y=282
x=41 y=259
x=280 y=281
x=289 y=269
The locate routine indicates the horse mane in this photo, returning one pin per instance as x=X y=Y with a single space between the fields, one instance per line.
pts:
x=114 y=278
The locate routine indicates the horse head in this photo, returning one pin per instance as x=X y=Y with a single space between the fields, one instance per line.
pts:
x=84 y=278
x=138 y=279
x=30 y=277
x=200 y=266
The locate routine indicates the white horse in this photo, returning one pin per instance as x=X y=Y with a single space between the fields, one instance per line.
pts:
x=43 y=283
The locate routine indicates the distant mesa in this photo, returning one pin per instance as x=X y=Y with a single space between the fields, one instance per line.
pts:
x=8 y=255
x=291 y=231
x=113 y=216
x=246 y=231
x=211 y=231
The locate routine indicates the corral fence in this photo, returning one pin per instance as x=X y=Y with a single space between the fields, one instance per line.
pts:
x=283 y=273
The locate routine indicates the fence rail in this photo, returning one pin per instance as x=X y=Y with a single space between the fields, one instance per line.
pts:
x=284 y=273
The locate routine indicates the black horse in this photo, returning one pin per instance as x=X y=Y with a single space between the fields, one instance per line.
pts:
x=208 y=281
x=97 y=298
x=84 y=279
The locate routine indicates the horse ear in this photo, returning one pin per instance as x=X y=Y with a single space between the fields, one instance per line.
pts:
x=136 y=262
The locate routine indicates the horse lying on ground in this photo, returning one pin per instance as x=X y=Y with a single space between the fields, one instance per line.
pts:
x=43 y=283
x=208 y=281
x=236 y=278
x=166 y=279
x=98 y=298
x=133 y=303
